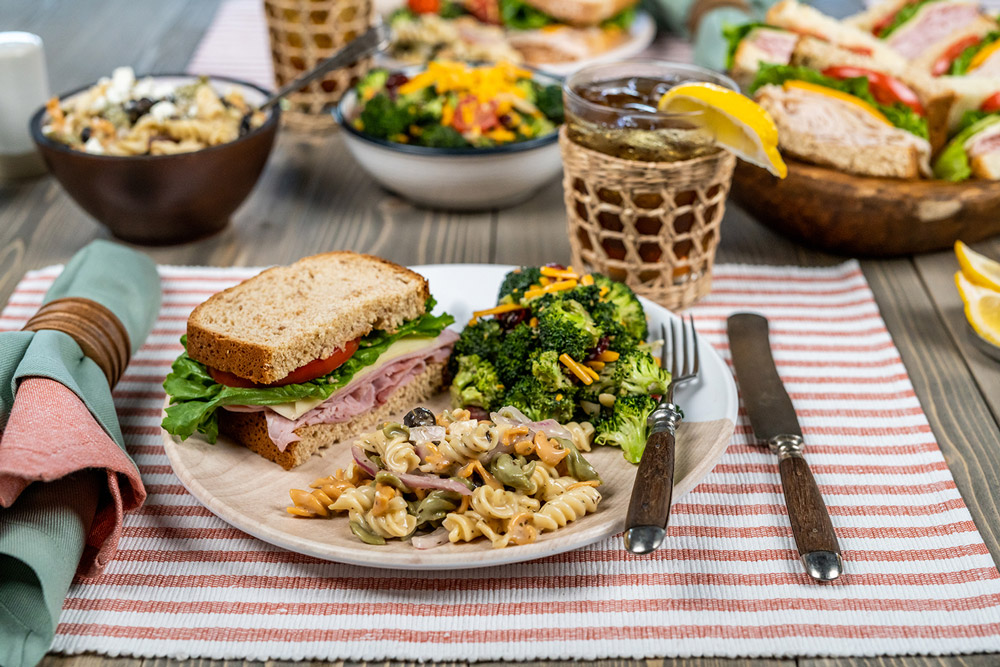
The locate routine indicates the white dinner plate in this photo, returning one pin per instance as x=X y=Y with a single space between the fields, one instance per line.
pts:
x=251 y=493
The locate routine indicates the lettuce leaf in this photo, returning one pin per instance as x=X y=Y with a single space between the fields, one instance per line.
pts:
x=899 y=115
x=960 y=65
x=195 y=396
x=902 y=16
x=953 y=162
x=623 y=20
x=522 y=16
x=734 y=34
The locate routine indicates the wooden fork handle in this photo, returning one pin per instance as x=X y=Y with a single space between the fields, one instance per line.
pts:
x=649 y=508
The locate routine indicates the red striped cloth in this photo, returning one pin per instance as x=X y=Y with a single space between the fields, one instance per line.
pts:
x=728 y=583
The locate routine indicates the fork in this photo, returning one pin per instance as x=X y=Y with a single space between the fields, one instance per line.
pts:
x=649 y=508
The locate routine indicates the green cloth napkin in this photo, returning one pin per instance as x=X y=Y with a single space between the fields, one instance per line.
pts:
x=42 y=534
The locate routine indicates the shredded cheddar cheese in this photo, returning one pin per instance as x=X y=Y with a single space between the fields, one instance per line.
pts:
x=587 y=280
x=596 y=365
x=608 y=356
x=558 y=286
x=577 y=369
x=564 y=274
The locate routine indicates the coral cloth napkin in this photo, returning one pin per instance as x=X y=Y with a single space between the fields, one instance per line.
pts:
x=65 y=478
x=728 y=582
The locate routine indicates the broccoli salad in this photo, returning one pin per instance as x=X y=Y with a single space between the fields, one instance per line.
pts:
x=564 y=346
x=454 y=105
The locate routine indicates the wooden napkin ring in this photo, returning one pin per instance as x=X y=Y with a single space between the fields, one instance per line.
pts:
x=98 y=332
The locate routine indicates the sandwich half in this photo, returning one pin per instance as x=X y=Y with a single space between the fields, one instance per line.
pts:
x=302 y=356
x=835 y=119
x=913 y=27
x=974 y=152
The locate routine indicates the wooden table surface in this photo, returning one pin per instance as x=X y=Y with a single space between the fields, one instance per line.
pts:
x=312 y=198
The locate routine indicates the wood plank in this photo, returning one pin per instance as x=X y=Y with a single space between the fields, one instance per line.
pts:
x=976 y=660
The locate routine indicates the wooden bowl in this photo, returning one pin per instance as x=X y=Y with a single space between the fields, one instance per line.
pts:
x=862 y=216
x=164 y=199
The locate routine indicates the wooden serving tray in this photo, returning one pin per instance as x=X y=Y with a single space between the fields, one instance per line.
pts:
x=863 y=216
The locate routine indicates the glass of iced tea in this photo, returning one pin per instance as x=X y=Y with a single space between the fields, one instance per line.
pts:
x=644 y=190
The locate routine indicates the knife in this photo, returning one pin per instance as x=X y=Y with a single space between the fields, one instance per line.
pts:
x=773 y=420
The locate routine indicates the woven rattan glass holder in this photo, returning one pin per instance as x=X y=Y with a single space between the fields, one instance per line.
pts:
x=651 y=225
x=304 y=32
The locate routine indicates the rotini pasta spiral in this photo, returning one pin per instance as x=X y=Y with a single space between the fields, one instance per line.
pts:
x=356 y=502
x=566 y=507
x=462 y=527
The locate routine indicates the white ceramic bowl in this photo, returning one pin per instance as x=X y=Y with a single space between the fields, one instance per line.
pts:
x=454 y=178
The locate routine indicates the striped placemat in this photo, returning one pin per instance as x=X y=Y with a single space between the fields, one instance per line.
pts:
x=728 y=583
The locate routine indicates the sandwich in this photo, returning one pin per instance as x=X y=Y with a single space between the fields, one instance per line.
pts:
x=970 y=51
x=302 y=356
x=914 y=27
x=974 y=151
x=835 y=118
x=556 y=31
x=788 y=21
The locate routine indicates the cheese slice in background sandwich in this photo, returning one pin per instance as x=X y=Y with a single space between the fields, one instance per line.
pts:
x=974 y=151
x=302 y=356
x=912 y=28
x=837 y=121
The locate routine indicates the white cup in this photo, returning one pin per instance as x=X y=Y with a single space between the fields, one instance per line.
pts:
x=24 y=87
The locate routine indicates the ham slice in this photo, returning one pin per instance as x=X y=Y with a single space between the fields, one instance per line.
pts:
x=986 y=141
x=775 y=46
x=934 y=22
x=358 y=396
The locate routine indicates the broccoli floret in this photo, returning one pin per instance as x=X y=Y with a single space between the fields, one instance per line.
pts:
x=628 y=310
x=530 y=397
x=482 y=339
x=439 y=136
x=516 y=282
x=373 y=84
x=476 y=383
x=382 y=118
x=636 y=372
x=512 y=356
x=548 y=370
x=566 y=327
x=549 y=101
x=626 y=426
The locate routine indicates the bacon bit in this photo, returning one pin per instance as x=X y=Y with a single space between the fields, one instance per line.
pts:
x=549 y=288
x=564 y=274
x=590 y=482
x=576 y=368
x=596 y=365
x=587 y=280
x=383 y=494
x=533 y=322
x=608 y=356
x=548 y=450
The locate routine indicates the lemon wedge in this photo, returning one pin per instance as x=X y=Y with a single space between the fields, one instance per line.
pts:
x=741 y=126
x=979 y=269
x=982 y=308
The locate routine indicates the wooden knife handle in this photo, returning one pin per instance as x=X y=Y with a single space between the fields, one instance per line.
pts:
x=811 y=525
x=649 y=508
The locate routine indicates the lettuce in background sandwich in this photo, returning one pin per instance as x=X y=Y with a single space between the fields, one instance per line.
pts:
x=974 y=151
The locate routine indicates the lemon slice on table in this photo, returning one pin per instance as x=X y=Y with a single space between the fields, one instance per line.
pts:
x=979 y=269
x=741 y=126
x=982 y=308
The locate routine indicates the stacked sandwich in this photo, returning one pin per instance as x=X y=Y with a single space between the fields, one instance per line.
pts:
x=890 y=92
x=299 y=357
x=541 y=31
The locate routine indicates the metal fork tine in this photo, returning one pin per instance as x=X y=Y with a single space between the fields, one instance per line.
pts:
x=678 y=348
x=663 y=349
x=694 y=334
x=687 y=357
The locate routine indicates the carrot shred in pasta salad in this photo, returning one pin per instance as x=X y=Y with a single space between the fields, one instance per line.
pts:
x=122 y=115
x=452 y=478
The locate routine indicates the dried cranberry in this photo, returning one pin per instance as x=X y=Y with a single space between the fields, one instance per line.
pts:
x=506 y=121
x=476 y=412
x=602 y=344
x=512 y=318
x=558 y=267
x=395 y=80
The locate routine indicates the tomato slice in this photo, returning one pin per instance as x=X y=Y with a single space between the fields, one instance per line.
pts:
x=310 y=371
x=991 y=103
x=954 y=51
x=885 y=89
x=424 y=6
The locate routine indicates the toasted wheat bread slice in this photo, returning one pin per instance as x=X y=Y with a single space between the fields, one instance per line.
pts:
x=285 y=317
x=250 y=428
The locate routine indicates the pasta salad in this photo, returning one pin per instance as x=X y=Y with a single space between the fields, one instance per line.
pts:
x=452 y=478
x=120 y=115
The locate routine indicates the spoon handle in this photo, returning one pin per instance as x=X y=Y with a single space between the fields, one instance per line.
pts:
x=372 y=40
